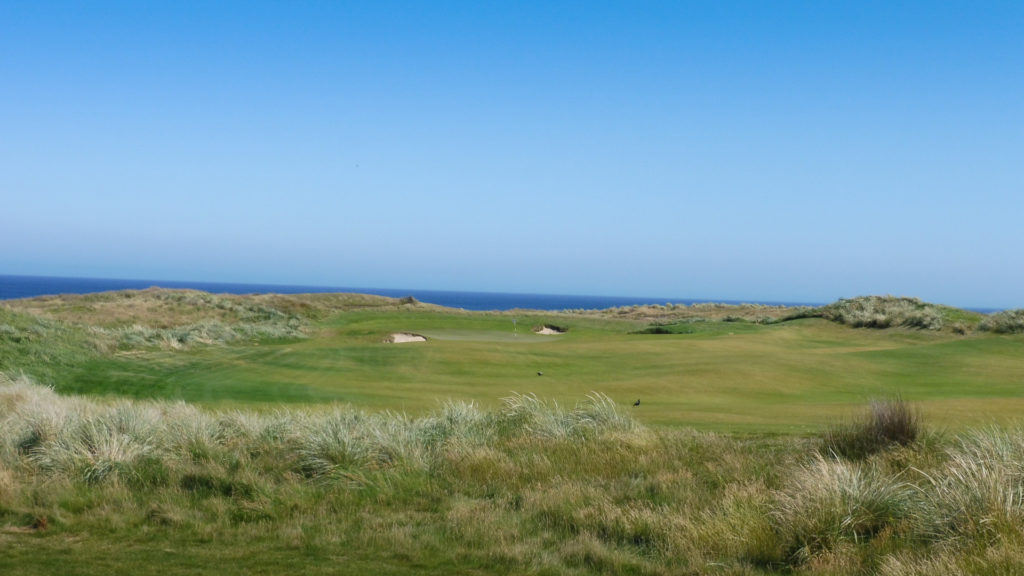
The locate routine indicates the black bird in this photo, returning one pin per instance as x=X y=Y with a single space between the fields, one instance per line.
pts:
x=637 y=403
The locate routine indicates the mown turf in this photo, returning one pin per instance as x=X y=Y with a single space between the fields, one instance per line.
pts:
x=791 y=376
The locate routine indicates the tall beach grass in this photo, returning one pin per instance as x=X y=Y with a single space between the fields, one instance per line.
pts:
x=559 y=490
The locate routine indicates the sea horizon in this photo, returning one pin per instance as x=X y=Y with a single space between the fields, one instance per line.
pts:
x=14 y=286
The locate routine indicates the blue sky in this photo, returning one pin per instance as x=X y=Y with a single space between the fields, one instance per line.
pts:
x=793 y=151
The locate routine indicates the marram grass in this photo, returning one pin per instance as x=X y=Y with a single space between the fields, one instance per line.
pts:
x=90 y=486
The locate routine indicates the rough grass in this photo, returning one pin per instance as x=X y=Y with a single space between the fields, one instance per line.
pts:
x=1005 y=322
x=547 y=481
x=167 y=487
x=701 y=311
x=165 y=308
x=885 y=424
x=173 y=319
x=51 y=336
x=891 y=312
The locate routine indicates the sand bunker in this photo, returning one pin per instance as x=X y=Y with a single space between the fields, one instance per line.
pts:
x=404 y=337
x=549 y=330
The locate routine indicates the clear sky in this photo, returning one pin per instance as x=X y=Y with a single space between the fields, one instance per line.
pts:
x=793 y=151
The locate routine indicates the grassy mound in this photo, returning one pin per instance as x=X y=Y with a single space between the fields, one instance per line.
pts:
x=52 y=336
x=165 y=308
x=697 y=312
x=860 y=312
x=892 y=312
x=1005 y=322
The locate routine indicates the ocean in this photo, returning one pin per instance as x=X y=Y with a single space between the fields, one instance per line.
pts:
x=29 y=286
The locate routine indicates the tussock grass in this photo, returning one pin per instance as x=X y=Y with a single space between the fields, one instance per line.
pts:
x=206 y=332
x=92 y=441
x=979 y=493
x=886 y=312
x=1005 y=322
x=830 y=502
x=549 y=420
x=532 y=484
x=886 y=423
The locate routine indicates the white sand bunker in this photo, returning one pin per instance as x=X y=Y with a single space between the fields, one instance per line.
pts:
x=549 y=330
x=404 y=337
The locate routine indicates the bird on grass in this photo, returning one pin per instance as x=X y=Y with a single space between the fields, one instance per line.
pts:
x=539 y=373
x=637 y=403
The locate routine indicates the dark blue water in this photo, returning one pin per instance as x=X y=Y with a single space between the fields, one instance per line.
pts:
x=28 y=286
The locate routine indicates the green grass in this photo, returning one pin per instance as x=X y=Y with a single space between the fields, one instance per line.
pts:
x=127 y=487
x=793 y=376
x=309 y=444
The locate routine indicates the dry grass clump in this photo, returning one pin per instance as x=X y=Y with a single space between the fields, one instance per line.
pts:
x=829 y=503
x=213 y=319
x=1005 y=322
x=979 y=492
x=549 y=420
x=91 y=441
x=883 y=312
x=886 y=423
x=207 y=332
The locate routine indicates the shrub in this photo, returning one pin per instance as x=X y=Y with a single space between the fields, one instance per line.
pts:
x=655 y=330
x=886 y=423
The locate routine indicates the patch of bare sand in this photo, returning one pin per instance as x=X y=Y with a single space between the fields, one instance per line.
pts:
x=404 y=337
